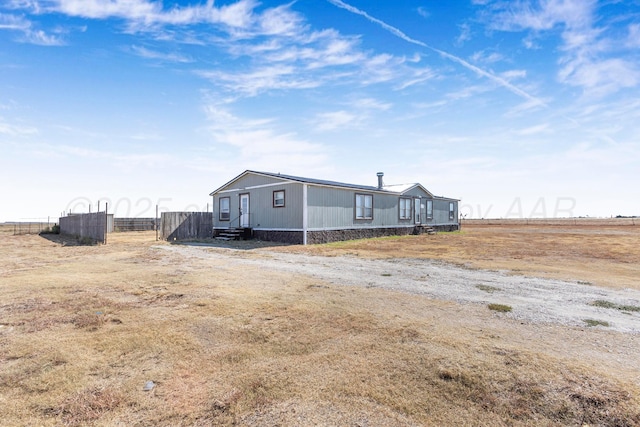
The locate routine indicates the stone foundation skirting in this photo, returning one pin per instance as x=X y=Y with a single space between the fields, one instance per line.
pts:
x=327 y=236
x=291 y=237
x=454 y=227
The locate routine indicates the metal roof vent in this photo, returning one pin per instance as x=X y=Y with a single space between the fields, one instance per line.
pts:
x=380 y=184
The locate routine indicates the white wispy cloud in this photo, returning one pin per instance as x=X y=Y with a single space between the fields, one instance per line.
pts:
x=162 y=56
x=142 y=15
x=600 y=77
x=311 y=59
x=16 y=130
x=486 y=57
x=313 y=50
x=360 y=113
x=534 y=130
x=371 y=104
x=277 y=47
x=418 y=76
x=13 y=22
x=477 y=70
x=237 y=20
x=125 y=161
x=27 y=32
x=423 y=11
x=260 y=144
x=633 y=37
x=258 y=80
x=280 y=21
x=590 y=55
x=465 y=34
x=514 y=74
x=335 y=120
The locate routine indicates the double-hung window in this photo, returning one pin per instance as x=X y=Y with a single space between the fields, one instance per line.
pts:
x=224 y=209
x=278 y=199
x=405 y=208
x=429 y=209
x=452 y=211
x=364 y=206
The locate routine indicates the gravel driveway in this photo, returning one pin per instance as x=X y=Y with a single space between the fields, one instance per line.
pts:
x=533 y=300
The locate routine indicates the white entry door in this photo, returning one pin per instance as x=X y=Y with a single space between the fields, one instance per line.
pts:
x=244 y=211
x=417 y=210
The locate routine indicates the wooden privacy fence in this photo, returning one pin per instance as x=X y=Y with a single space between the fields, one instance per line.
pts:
x=90 y=225
x=134 y=224
x=186 y=225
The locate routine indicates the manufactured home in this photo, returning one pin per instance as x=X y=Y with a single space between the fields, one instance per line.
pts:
x=291 y=209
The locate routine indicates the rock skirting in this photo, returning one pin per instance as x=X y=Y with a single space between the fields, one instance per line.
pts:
x=327 y=236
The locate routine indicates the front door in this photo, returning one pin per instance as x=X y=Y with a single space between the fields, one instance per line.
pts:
x=244 y=211
x=417 y=211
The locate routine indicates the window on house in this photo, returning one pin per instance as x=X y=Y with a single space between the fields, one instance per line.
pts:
x=452 y=211
x=364 y=206
x=405 y=208
x=225 y=212
x=429 y=209
x=278 y=199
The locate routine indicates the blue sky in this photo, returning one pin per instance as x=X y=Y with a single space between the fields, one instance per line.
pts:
x=518 y=108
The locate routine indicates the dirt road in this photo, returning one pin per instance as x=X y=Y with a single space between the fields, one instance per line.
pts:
x=534 y=300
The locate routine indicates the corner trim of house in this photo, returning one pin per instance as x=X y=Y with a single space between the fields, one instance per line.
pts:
x=305 y=211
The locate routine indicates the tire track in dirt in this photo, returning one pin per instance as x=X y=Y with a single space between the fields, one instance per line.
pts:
x=533 y=299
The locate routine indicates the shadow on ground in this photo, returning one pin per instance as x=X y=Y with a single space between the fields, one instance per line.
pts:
x=65 y=240
x=231 y=244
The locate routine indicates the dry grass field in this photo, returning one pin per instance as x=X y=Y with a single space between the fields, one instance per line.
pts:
x=605 y=255
x=84 y=328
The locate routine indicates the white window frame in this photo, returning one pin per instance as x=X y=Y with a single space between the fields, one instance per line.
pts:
x=277 y=199
x=404 y=208
x=452 y=210
x=224 y=214
x=364 y=206
x=429 y=209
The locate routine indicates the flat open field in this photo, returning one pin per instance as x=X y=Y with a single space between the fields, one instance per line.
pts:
x=382 y=332
x=604 y=255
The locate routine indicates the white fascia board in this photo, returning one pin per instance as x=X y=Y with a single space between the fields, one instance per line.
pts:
x=445 y=198
x=277 y=229
x=277 y=184
x=368 y=227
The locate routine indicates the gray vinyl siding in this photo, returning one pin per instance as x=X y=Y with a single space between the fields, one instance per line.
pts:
x=330 y=207
x=261 y=210
x=441 y=212
x=234 y=207
x=416 y=192
x=264 y=215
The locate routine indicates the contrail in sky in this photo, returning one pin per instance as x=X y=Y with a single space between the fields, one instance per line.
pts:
x=393 y=30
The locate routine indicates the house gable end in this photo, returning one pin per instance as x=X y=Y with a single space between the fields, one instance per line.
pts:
x=249 y=179
x=417 y=190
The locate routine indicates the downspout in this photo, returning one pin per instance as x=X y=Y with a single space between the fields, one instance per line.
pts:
x=304 y=214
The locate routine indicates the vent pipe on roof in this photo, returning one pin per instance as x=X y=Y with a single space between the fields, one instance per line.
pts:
x=380 y=184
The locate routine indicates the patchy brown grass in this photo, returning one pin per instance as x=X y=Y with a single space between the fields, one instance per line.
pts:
x=82 y=329
x=602 y=255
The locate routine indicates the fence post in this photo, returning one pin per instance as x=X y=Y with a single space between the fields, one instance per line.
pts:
x=106 y=222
